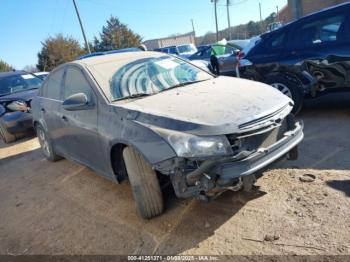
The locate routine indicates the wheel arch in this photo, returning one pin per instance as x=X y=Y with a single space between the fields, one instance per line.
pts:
x=117 y=161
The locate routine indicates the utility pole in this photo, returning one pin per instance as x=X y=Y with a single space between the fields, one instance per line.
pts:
x=228 y=3
x=216 y=19
x=296 y=9
x=194 y=32
x=260 y=11
x=277 y=14
x=81 y=26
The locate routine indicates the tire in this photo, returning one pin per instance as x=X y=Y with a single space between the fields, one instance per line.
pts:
x=144 y=183
x=46 y=145
x=288 y=88
x=5 y=135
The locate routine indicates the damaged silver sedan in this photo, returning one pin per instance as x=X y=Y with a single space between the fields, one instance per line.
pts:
x=152 y=118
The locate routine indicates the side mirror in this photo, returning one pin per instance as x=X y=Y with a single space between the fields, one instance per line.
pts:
x=76 y=102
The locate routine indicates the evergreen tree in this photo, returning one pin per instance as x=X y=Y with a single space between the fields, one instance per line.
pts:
x=116 y=35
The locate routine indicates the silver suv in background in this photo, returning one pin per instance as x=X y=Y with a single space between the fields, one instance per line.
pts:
x=184 y=51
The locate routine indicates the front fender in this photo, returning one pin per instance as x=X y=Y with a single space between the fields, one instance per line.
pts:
x=148 y=143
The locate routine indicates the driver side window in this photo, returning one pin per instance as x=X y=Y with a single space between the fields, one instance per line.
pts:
x=76 y=82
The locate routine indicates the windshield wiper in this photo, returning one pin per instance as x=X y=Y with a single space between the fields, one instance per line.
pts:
x=132 y=96
x=184 y=84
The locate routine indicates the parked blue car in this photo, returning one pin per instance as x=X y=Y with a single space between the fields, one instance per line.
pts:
x=306 y=58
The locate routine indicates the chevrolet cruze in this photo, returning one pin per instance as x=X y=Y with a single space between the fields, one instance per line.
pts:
x=149 y=117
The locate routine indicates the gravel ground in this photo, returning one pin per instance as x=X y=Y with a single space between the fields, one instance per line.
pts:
x=64 y=208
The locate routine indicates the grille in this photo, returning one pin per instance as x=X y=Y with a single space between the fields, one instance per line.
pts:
x=262 y=119
x=252 y=142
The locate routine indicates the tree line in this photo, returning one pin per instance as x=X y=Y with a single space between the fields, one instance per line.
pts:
x=243 y=31
x=60 y=49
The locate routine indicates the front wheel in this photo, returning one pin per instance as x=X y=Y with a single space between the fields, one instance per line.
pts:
x=288 y=88
x=144 y=183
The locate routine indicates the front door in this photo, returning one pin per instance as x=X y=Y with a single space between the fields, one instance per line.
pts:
x=81 y=138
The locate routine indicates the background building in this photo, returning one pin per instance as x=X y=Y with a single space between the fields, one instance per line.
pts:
x=171 y=40
x=299 y=8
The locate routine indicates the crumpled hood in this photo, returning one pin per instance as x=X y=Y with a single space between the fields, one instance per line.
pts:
x=24 y=96
x=213 y=107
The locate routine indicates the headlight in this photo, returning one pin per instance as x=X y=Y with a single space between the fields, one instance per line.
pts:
x=187 y=145
x=18 y=106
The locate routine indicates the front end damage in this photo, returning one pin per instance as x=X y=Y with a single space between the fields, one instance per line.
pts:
x=253 y=151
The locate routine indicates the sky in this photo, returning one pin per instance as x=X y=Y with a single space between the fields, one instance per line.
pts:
x=25 y=23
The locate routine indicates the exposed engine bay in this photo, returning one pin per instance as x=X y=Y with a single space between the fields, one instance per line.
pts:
x=14 y=106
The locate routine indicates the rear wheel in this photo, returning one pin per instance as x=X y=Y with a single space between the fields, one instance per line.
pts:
x=144 y=183
x=5 y=135
x=46 y=145
x=288 y=88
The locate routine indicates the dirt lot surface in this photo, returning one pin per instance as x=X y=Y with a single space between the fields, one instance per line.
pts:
x=64 y=208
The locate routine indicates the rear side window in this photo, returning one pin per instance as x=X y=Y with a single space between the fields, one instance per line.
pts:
x=276 y=41
x=229 y=50
x=321 y=31
x=272 y=43
x=53 y=85
x=76 y=83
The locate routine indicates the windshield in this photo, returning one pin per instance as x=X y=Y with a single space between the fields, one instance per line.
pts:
x=186 y=49
x=18 y=83
x=151 y=75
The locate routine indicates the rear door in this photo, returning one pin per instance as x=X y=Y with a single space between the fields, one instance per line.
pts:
x=50 y=106
x=322 y=45
x=81 y=138
x=270 y=49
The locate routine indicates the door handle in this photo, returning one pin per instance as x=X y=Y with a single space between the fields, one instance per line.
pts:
x=43 y=110
x=64 y=118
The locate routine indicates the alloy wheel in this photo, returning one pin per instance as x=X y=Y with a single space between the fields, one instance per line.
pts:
x=43 y=142
x=283 y=89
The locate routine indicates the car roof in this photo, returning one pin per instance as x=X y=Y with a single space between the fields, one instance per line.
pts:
x=12 y=73
x=123 y=50
x=115 y=57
